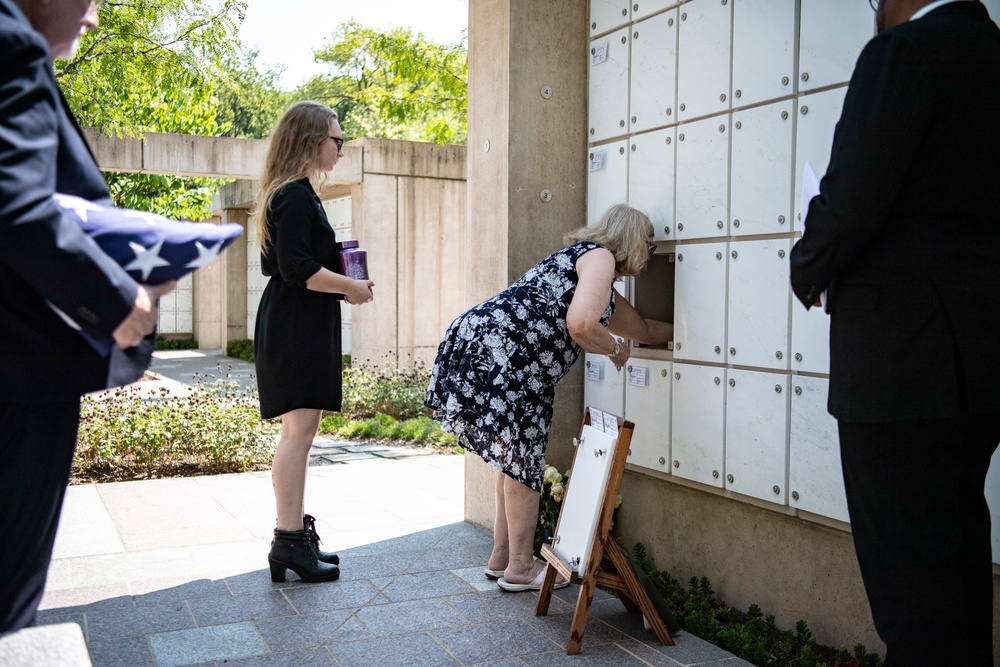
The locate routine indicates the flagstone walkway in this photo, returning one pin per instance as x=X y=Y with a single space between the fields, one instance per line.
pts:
x=172 y=572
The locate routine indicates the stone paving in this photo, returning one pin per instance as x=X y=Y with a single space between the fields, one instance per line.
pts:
x=173 y=572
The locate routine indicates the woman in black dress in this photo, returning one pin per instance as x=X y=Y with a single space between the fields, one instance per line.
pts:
x=494 y=378
x=297 y=337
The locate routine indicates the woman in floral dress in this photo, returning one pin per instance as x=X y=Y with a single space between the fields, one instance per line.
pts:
x=494 y=378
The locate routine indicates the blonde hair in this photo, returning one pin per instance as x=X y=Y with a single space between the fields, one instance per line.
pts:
x=292 y=154
x=624 y=231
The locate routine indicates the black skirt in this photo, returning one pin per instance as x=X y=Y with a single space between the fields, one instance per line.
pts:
x=298 y=349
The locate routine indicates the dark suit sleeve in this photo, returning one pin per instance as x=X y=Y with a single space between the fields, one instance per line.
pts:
x=37 y=240
x=293 y=211
x=883 y=121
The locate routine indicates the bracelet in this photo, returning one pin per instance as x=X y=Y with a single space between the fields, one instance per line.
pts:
x=617 y=348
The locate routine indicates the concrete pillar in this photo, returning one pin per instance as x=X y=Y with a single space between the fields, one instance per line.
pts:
x=235 y=259
x=210 y=302
x=220 y=291
x=522 y=143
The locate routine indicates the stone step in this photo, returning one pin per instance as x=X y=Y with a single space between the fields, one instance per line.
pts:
x=59 y=645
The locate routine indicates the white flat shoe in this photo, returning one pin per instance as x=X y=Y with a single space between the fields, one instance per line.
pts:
x=534 y=585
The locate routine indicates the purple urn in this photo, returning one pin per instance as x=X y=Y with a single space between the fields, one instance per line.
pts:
x=352 y=261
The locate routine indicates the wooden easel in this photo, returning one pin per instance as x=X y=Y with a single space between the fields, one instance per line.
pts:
x=615 y=573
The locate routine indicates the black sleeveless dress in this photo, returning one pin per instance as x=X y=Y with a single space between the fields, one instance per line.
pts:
x=494 y=379
x=297 y=336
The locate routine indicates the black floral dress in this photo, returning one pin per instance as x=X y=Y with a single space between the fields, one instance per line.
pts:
x=496 y=371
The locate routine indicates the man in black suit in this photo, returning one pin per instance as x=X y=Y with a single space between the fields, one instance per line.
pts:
x=47 y=263
x=904 y=239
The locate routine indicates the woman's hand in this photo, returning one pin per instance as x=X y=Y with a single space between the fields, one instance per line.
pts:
x=359 y=292
x=356 y=292
x=620 y=354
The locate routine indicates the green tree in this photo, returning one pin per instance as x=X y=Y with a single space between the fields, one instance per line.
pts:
x=250 y=100
x=168 y=66
x=396 y=84
x=151 y=66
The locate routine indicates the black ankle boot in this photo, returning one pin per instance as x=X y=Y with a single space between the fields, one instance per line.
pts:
x=309 y=523
x=294 y=550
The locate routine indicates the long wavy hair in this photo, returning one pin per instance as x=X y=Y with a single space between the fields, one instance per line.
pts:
x=292 y=154
x=624 y=231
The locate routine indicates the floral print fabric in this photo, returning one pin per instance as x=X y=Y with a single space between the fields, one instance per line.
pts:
x=494 y=378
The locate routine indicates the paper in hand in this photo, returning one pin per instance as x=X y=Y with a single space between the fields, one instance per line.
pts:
x=810 y=189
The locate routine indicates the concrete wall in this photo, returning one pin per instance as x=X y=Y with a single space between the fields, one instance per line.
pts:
x=409 y=214
x=408 y=204
x=753 y=554
x=179 y=155
x=793 y=564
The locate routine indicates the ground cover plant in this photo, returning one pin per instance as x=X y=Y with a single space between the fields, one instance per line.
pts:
x=387 y=403
x=390 y=389
x=240 y=349
x=136 y=432
x=176 y=343
x=385 y=428
x=749 y=635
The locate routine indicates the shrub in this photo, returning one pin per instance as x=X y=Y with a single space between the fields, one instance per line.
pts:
x=749 y=635
x=243 y=349
x=240 y=349
x=134 y=432
x=549 y=504
x=420 y=430
x=176 y=343
x=388 y=390
x=331 y=423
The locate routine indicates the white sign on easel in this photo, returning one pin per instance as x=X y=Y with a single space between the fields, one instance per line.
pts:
x=581 y=508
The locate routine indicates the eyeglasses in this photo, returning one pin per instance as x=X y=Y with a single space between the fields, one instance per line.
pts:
x=97 y=3
x=651 y=247
x=339 y=141
x=874 y=4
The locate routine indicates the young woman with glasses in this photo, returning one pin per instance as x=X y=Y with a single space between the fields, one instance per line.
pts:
x=297 y=337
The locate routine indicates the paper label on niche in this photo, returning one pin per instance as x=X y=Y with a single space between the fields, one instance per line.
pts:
x=594 y=370
x=597 y=419
x=637 y=376
x=597 y=162
x=600 y=53
x=611 y=425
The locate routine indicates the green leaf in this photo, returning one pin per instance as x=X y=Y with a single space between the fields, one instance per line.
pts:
x=395 y=85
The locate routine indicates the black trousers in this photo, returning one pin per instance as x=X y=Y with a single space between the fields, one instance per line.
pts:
x=915 y=493
x=36 y=458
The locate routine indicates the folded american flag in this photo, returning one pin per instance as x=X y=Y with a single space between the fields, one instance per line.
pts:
x=151 y=248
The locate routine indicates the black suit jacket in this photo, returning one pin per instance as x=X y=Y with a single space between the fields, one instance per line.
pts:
x=44 y=256
x=906 y=229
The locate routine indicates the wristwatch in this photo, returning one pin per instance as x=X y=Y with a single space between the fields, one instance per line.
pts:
x=618 y=348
